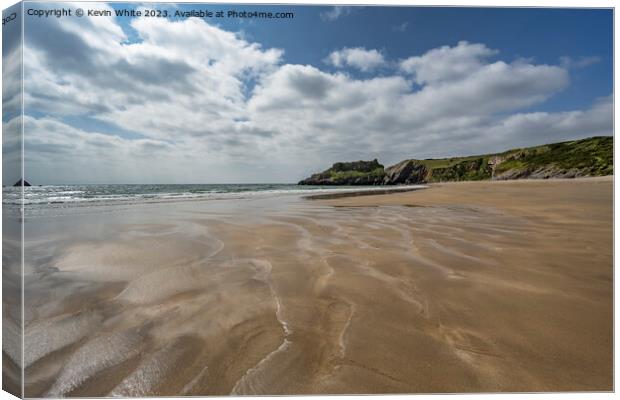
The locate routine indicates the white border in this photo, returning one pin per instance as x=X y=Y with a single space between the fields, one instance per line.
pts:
x=462 y=3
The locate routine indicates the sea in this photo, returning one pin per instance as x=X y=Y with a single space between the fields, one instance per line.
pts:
x=102 y=194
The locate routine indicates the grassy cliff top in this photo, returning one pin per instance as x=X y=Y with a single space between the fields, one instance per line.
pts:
x=567 y=154
x=586 y=157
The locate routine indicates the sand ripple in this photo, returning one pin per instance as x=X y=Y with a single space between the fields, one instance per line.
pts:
x=160 y=369
x=102 y=352
x=48 y=336
x=361 y=295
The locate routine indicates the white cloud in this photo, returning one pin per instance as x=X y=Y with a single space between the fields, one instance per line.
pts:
x=12 y=82
x=336 y=12
x=59 y=153
x=357 y=57
x=544 y=127
x=11 y=151
x=185 y=76
x=491 y=88
x=447 y=63
x=209 y=106
x=530 y=129
x=336 y=117
x=11 y=105
x=580 y=62
x=56 y=153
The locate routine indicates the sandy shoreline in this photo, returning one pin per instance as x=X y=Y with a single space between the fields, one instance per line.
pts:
x=473 y=287
x=557 y=265
x=380 y=190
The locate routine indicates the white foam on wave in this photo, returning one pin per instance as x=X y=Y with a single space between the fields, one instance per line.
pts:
x=78 y=197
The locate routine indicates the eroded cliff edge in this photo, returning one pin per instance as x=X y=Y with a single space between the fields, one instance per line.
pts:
x=578 y=158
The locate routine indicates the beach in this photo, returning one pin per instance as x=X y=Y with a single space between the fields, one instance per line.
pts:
x=457 y=287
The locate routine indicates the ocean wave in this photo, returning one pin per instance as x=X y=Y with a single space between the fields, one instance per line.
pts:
x=114 y=194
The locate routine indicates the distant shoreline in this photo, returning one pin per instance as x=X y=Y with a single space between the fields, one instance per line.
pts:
x=401 y=189
x=393 y=189
x=518 y=195
x=67 y=196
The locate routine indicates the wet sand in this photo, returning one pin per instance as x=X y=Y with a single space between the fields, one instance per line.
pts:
x=465 y=287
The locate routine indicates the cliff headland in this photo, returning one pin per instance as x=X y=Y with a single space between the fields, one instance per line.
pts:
x=578 y=158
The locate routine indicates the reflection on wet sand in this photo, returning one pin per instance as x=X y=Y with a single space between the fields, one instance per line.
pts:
x=491 y=292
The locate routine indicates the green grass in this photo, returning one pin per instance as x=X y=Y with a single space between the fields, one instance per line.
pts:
x=433 y=163
x=594 y=156
x=347 y=175
x=508 y=165
x=590 y=157
x=469 y=169
x=358 y=166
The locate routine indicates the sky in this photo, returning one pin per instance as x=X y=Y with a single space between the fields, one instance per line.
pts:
x=230 y=100
x=11 y=97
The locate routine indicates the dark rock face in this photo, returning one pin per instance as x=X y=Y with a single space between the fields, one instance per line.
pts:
x=21 y=182
x=586 y=157
x=540 y=173
x=512 y=174
x=406 y=172
x=468 y=170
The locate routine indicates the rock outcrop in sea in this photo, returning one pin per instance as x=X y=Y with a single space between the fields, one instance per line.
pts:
x=21 y=182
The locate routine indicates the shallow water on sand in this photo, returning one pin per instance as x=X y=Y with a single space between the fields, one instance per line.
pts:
x=285 y=295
